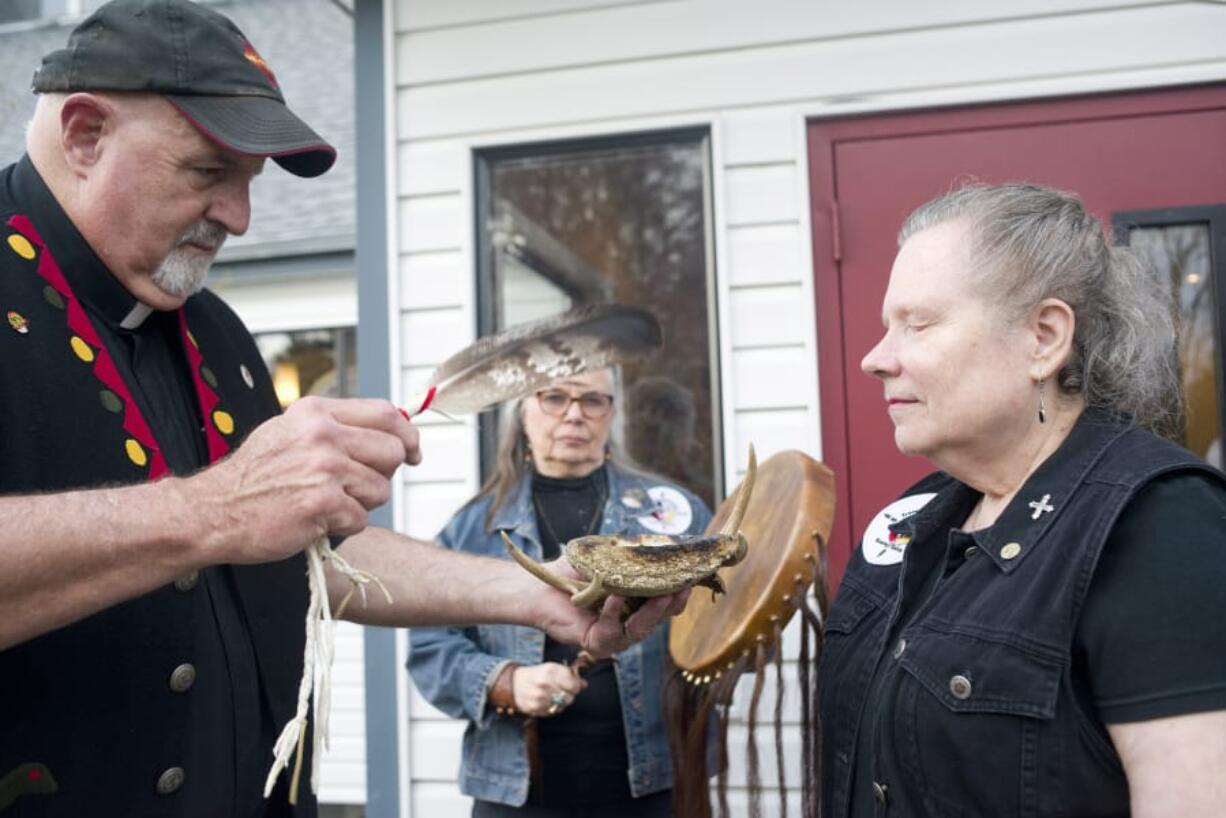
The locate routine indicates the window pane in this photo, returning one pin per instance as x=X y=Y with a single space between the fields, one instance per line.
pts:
x=627 y=223
x=310 y=362
x=1182 y=253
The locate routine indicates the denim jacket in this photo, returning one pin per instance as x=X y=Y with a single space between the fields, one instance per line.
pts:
x=972 y=703
x=454 y=667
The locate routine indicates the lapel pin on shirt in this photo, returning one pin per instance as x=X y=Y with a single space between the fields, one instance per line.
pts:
x=1041 y=506
x=18 y=322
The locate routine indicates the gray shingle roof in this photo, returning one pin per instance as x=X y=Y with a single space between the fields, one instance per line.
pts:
x=309 y=44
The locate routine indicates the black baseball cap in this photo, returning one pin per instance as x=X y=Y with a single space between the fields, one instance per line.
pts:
x=199 y=61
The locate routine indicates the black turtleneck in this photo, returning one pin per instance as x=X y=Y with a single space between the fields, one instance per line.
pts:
x=567 y=507
x=582 y=749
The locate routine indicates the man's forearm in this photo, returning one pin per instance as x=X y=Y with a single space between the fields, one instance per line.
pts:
x=70 y=555
x=429 y=585
x=312 y=471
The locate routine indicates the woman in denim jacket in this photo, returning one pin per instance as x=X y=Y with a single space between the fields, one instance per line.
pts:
x=541 y=740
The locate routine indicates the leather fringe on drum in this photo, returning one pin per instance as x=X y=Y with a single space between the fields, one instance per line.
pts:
x=695 y=707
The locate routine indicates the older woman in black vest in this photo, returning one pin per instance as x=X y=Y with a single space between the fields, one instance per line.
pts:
x=1038 y=629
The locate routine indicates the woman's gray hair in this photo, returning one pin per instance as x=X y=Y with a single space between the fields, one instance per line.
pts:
x=513 y=461
x=1029 y=243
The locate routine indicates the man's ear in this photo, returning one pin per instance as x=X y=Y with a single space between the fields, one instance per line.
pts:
x=1053 y=324
x=84 y=119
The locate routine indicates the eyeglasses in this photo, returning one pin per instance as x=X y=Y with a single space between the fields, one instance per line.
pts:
x=593 y=405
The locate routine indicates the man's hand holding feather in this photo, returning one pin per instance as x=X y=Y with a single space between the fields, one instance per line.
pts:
x=315 y=470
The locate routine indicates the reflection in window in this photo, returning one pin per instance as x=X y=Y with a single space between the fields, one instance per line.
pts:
x=311 y=362
x=1182 y=253
x=15 y=10
x=624 y=221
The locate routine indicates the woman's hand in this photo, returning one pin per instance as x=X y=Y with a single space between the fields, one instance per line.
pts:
x=545 y=689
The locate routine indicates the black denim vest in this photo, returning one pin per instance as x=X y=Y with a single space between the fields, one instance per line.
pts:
x=978 y=710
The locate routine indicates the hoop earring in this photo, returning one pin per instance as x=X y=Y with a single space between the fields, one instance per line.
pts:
x=1042 y=403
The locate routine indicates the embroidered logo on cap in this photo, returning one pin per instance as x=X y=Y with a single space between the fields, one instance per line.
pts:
x=259 y=62
x=880 y=545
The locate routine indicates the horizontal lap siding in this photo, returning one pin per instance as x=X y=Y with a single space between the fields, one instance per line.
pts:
x=836 y=70
x=342 y=773
x=664 y=30
x=487 y=73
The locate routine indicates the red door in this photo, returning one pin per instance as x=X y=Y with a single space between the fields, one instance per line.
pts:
x=1130 y=152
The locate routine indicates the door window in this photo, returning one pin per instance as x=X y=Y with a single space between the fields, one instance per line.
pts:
x=1180 y=245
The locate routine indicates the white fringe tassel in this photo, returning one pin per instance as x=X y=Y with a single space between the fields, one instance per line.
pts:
x=316 y=666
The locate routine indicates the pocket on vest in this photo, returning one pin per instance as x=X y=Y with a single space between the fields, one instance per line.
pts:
x=973 y=674
x=975 y=720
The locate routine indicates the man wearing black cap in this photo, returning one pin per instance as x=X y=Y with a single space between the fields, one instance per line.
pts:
x=153 y=594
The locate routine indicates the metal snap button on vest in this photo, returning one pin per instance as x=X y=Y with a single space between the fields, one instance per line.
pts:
x=188 y=582
x=1010 y=550
x=970 y=551
x=899 y=648
x=182 y=678
x=881 y=793
x=960 y=686
x=170 y=780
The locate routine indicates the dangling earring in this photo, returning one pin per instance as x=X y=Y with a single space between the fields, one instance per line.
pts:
x=1042 y=403
x=527 y=451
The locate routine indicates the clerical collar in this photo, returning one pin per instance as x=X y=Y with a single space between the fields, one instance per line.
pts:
x=91 y=281
x=136 y=316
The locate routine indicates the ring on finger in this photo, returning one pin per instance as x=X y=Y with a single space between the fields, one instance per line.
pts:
x=558 y=700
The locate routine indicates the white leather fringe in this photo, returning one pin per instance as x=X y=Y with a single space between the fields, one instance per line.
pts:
x=316 y=666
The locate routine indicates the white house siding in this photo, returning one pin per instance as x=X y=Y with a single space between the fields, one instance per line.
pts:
x=489 y=73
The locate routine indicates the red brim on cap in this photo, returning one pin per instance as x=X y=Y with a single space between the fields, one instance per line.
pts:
x=258 y=126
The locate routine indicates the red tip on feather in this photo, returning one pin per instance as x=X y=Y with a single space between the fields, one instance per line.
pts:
x=429 y=399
